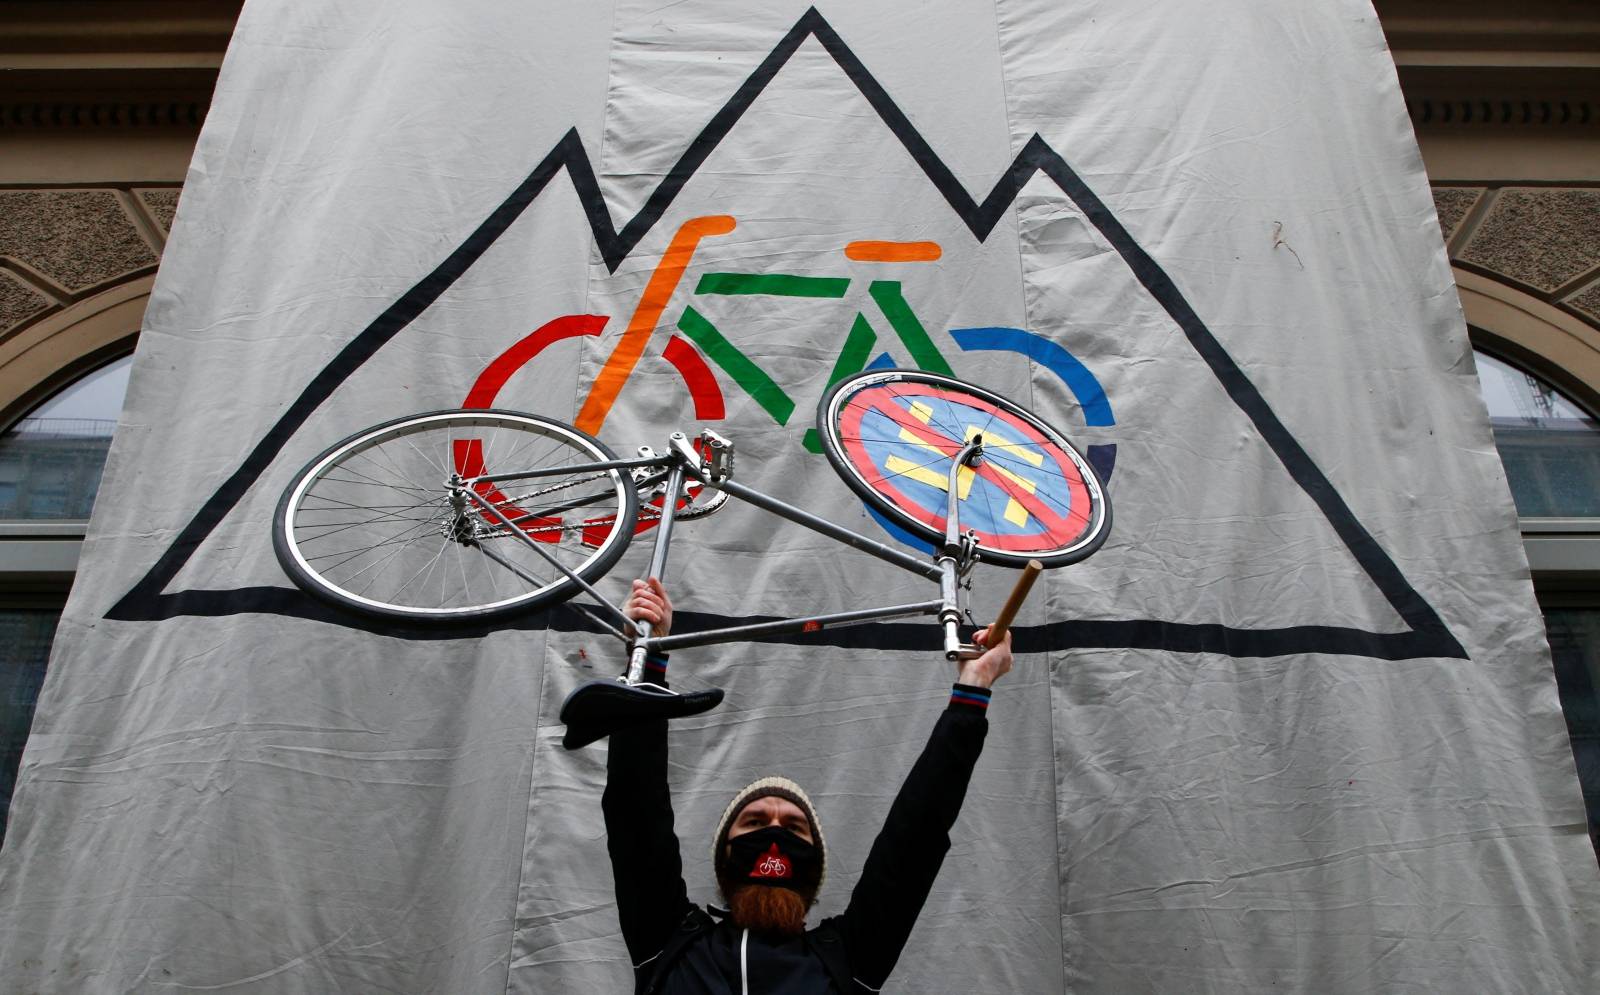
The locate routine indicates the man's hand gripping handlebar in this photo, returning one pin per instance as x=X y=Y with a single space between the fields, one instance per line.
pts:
x=995 y=660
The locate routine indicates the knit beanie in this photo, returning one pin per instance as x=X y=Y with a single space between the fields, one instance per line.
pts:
x=780 y=787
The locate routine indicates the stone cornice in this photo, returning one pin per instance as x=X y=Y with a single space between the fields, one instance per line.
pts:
x=1530 y=34
x=1486 y=63
x=105 y=98
x=99 y=64
x=1504 y=96
x=74 y=34
x=1554 y=108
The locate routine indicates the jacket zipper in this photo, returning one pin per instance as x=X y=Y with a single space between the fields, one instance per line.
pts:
x=744 y=963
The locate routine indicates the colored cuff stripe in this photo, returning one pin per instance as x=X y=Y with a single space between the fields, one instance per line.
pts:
x=656 y=663
x=965 y=694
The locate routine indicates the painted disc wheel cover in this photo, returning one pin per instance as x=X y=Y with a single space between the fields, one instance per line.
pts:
x=892 y=435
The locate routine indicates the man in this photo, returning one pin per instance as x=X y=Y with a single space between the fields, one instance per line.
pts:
x=770 y=857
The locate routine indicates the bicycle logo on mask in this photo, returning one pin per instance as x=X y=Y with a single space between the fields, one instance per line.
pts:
x=771 y=866
x=886 y=333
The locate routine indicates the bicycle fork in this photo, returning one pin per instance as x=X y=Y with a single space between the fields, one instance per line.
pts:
x=957 y=555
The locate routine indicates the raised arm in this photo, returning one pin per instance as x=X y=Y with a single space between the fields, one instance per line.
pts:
x=906 y=856
x=651 y=897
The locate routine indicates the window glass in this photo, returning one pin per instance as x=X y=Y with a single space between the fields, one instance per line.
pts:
x=1549 y=445
x=25 y=637
x=1575 y=650
x=50 y=460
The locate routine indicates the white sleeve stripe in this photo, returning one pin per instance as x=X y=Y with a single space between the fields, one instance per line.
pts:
x=650 y=958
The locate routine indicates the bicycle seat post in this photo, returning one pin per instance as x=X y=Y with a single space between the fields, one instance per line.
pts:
x=640 y=646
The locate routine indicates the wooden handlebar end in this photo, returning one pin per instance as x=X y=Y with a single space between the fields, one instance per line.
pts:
x=1019 y=594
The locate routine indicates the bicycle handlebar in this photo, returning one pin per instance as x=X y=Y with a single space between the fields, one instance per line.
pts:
x=1019 y=594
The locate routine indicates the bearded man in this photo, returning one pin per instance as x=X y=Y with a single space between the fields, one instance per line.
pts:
x=770 y=857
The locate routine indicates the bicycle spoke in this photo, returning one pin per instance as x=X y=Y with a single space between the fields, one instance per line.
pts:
x=425 y=494
x=515 y=459
x=420 y=571
x=404 y=536
x=399 y=547
x=937 y=460
x=443 y=469
x=466 y=582
x=401 y=481
x=347 y=526
x=337 y=506
x=407 y=481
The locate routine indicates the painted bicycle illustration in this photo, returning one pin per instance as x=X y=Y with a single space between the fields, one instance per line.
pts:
x=696 y=341
x=472 y=515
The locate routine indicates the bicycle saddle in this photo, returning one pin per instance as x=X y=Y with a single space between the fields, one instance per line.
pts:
x=596 y=709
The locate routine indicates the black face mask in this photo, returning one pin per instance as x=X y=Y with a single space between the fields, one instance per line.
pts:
x=773 y=856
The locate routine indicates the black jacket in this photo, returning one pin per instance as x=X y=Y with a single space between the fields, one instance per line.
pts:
x=677 y=948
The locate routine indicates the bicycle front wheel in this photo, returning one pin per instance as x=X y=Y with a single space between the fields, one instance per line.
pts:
x=891 y=434
x=370 y=525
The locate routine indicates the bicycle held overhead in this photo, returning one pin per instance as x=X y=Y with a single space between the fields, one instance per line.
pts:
x=473 y=515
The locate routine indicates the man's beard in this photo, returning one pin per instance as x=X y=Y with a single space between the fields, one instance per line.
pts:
x=768 y=909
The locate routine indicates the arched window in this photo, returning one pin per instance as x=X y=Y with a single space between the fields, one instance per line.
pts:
x=51 y=458
x=1549 y=445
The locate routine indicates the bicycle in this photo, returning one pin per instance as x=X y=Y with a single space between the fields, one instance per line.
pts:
x=472 y=515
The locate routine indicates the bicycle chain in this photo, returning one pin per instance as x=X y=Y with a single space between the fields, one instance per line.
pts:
x=497 y=531
x=501 y=532
x=553 y=488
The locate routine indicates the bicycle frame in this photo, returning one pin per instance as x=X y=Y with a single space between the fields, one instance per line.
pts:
x=682 y=463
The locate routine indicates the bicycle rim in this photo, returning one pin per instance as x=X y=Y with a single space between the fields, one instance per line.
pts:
x=369 y=523
x=891 y=435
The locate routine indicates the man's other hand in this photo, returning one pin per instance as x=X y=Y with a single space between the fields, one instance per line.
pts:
x=648 y=601
x=984 y=670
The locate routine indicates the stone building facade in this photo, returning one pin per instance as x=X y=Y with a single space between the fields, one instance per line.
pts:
x=101 y=103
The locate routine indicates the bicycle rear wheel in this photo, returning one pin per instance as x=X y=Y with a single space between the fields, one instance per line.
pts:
x=369 y=524
x=891 y=435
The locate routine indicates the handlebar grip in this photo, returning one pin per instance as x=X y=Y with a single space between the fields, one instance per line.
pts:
x=1019 y=594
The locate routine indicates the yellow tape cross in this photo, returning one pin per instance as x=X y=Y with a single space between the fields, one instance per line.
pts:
x=1014 y=512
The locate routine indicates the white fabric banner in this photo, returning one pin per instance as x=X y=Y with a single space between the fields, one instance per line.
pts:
x=1293 y=728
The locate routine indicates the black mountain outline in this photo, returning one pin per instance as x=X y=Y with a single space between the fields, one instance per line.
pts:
x=1427 y=636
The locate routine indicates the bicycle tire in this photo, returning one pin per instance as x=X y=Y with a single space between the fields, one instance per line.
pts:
x=890 y=435
x=368 y=524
